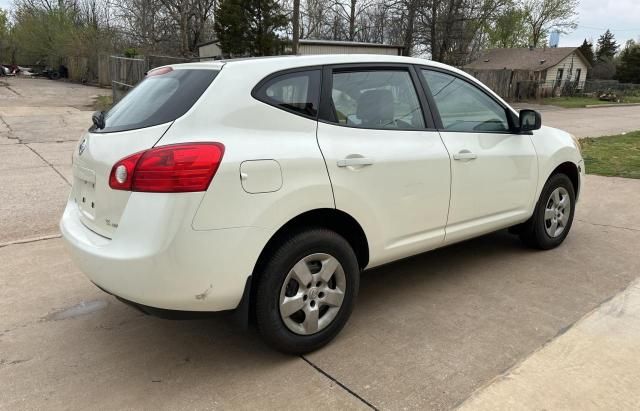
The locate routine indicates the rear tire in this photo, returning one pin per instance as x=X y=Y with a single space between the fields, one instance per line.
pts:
x=553 y=216
x=306 y=292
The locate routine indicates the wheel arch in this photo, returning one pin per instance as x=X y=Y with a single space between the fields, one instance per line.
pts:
x=569 y=169
x=329 y=218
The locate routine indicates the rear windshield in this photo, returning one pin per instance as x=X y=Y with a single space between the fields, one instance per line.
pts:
x=157 y=99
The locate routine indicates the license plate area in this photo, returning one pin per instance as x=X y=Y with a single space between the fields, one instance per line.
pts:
x=85 y=191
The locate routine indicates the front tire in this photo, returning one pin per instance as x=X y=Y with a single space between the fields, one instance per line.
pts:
x=553 y=215
x=306 y=292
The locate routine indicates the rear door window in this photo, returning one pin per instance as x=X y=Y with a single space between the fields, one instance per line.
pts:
x=381 y=99
x=297 y=92
x=158 y=99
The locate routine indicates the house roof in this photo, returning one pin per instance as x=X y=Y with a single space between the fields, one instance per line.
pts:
x=206 y=43
x=523 y=58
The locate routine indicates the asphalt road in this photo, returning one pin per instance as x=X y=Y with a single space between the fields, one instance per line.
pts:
x=429 y=332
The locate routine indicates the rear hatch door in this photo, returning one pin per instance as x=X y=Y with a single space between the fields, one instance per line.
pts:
x=135 y=124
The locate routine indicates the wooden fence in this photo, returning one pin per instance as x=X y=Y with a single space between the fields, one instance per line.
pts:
x=104 y=70
x=89 y=70
x=126 y=72
x=511 y=84
x=120 y=73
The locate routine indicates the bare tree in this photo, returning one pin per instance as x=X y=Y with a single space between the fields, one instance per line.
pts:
x=544 y=15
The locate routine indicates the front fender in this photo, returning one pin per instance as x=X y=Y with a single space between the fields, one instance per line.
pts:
x=553 y=148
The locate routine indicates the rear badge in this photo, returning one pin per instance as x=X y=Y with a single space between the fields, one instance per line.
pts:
x=82 y=146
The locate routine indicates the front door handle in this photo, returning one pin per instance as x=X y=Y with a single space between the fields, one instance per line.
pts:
x=355 y=161
x=465 y=155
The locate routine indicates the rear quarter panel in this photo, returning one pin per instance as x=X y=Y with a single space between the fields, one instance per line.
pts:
x=253 y=130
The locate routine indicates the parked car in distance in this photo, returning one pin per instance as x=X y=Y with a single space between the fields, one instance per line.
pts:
x=267 y=185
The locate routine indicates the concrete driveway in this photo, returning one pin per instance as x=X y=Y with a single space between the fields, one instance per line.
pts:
x=430 y=332
x=589 y=122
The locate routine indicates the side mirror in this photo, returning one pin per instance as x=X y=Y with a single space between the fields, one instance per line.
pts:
x=530 y=120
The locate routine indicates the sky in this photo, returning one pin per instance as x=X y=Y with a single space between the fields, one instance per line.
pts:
x=622 y=17
x=594 y=17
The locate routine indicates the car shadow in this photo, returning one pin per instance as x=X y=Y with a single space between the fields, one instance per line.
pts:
x=391 y=287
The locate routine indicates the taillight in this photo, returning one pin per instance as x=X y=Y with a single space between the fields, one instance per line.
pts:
x=122 y=173
x=177 y=168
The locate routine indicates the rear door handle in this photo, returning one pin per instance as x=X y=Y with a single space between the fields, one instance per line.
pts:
x=465 y=155
x=355 y=161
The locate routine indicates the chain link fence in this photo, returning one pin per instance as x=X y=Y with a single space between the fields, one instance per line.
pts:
x=534 y=90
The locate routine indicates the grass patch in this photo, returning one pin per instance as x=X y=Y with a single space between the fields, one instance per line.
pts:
x=579 y=102
x=103 y=103
x=613 y=155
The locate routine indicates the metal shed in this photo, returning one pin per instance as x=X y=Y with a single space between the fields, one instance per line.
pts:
x=209 y=50
x=309 y=47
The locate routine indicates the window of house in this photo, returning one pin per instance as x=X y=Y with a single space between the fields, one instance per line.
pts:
x=376 y=99
x=464 y=107
x=298 y=92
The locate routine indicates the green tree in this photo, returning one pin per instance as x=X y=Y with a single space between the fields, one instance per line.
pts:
x=629 y=68
x=509 y=29
x=4 y=37
x=4 y=24
x=607 y=47
x=43 y=35
x=248 y=27
x=587 y=51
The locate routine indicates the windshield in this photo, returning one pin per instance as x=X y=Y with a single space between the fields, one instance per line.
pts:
x=157 y=99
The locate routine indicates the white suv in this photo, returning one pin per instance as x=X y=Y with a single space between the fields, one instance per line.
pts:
x=267 y=185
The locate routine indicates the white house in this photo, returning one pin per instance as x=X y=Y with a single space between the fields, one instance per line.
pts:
x=552 y=68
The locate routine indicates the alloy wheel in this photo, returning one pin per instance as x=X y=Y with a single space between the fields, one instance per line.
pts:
x=557 y=212
x=312 y=294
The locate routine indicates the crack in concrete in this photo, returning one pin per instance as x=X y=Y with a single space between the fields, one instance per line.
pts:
x=6 y=124
x=30 y=240
x=10 y=134
x=608 y=225
x=49 y=164
x=341 y=385
x=13 y=91
x=4 y=362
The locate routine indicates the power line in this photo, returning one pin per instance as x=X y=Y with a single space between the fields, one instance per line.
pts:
x=606 y=28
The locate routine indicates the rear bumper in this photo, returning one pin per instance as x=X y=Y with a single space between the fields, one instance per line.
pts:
x=157 y=259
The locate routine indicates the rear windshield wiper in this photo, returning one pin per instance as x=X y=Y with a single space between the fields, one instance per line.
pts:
x=98 y=119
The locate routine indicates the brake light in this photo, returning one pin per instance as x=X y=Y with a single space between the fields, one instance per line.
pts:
x=177 y=168
x=159 y=71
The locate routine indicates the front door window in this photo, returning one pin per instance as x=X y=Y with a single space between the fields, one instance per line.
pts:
x=463 y=107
